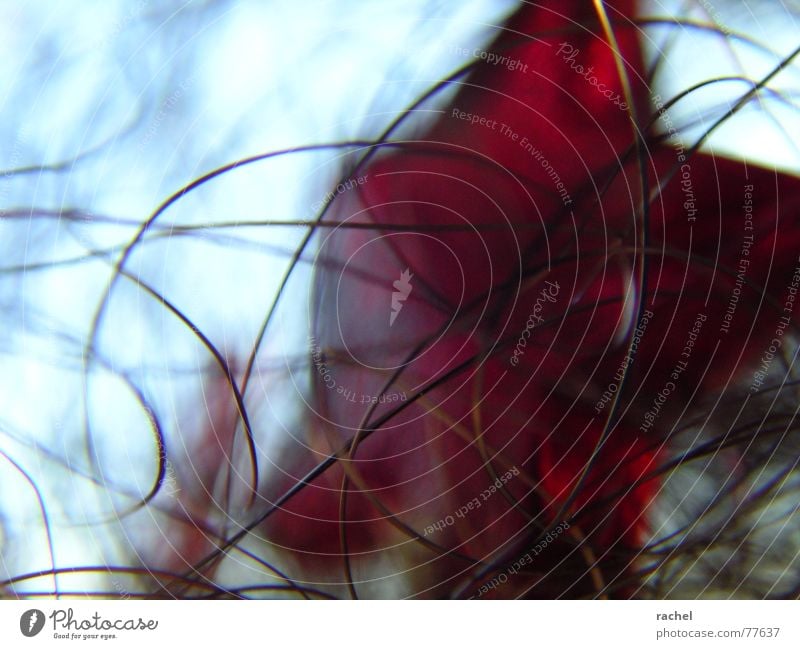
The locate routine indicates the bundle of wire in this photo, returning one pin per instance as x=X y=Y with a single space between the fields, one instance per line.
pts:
x=537 y=340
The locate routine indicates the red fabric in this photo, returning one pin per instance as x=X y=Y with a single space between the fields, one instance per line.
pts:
x=475 y=289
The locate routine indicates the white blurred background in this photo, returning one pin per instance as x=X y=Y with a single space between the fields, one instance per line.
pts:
x=108 y=108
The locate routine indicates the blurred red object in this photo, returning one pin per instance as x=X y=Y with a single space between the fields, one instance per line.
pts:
x=572 y=284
